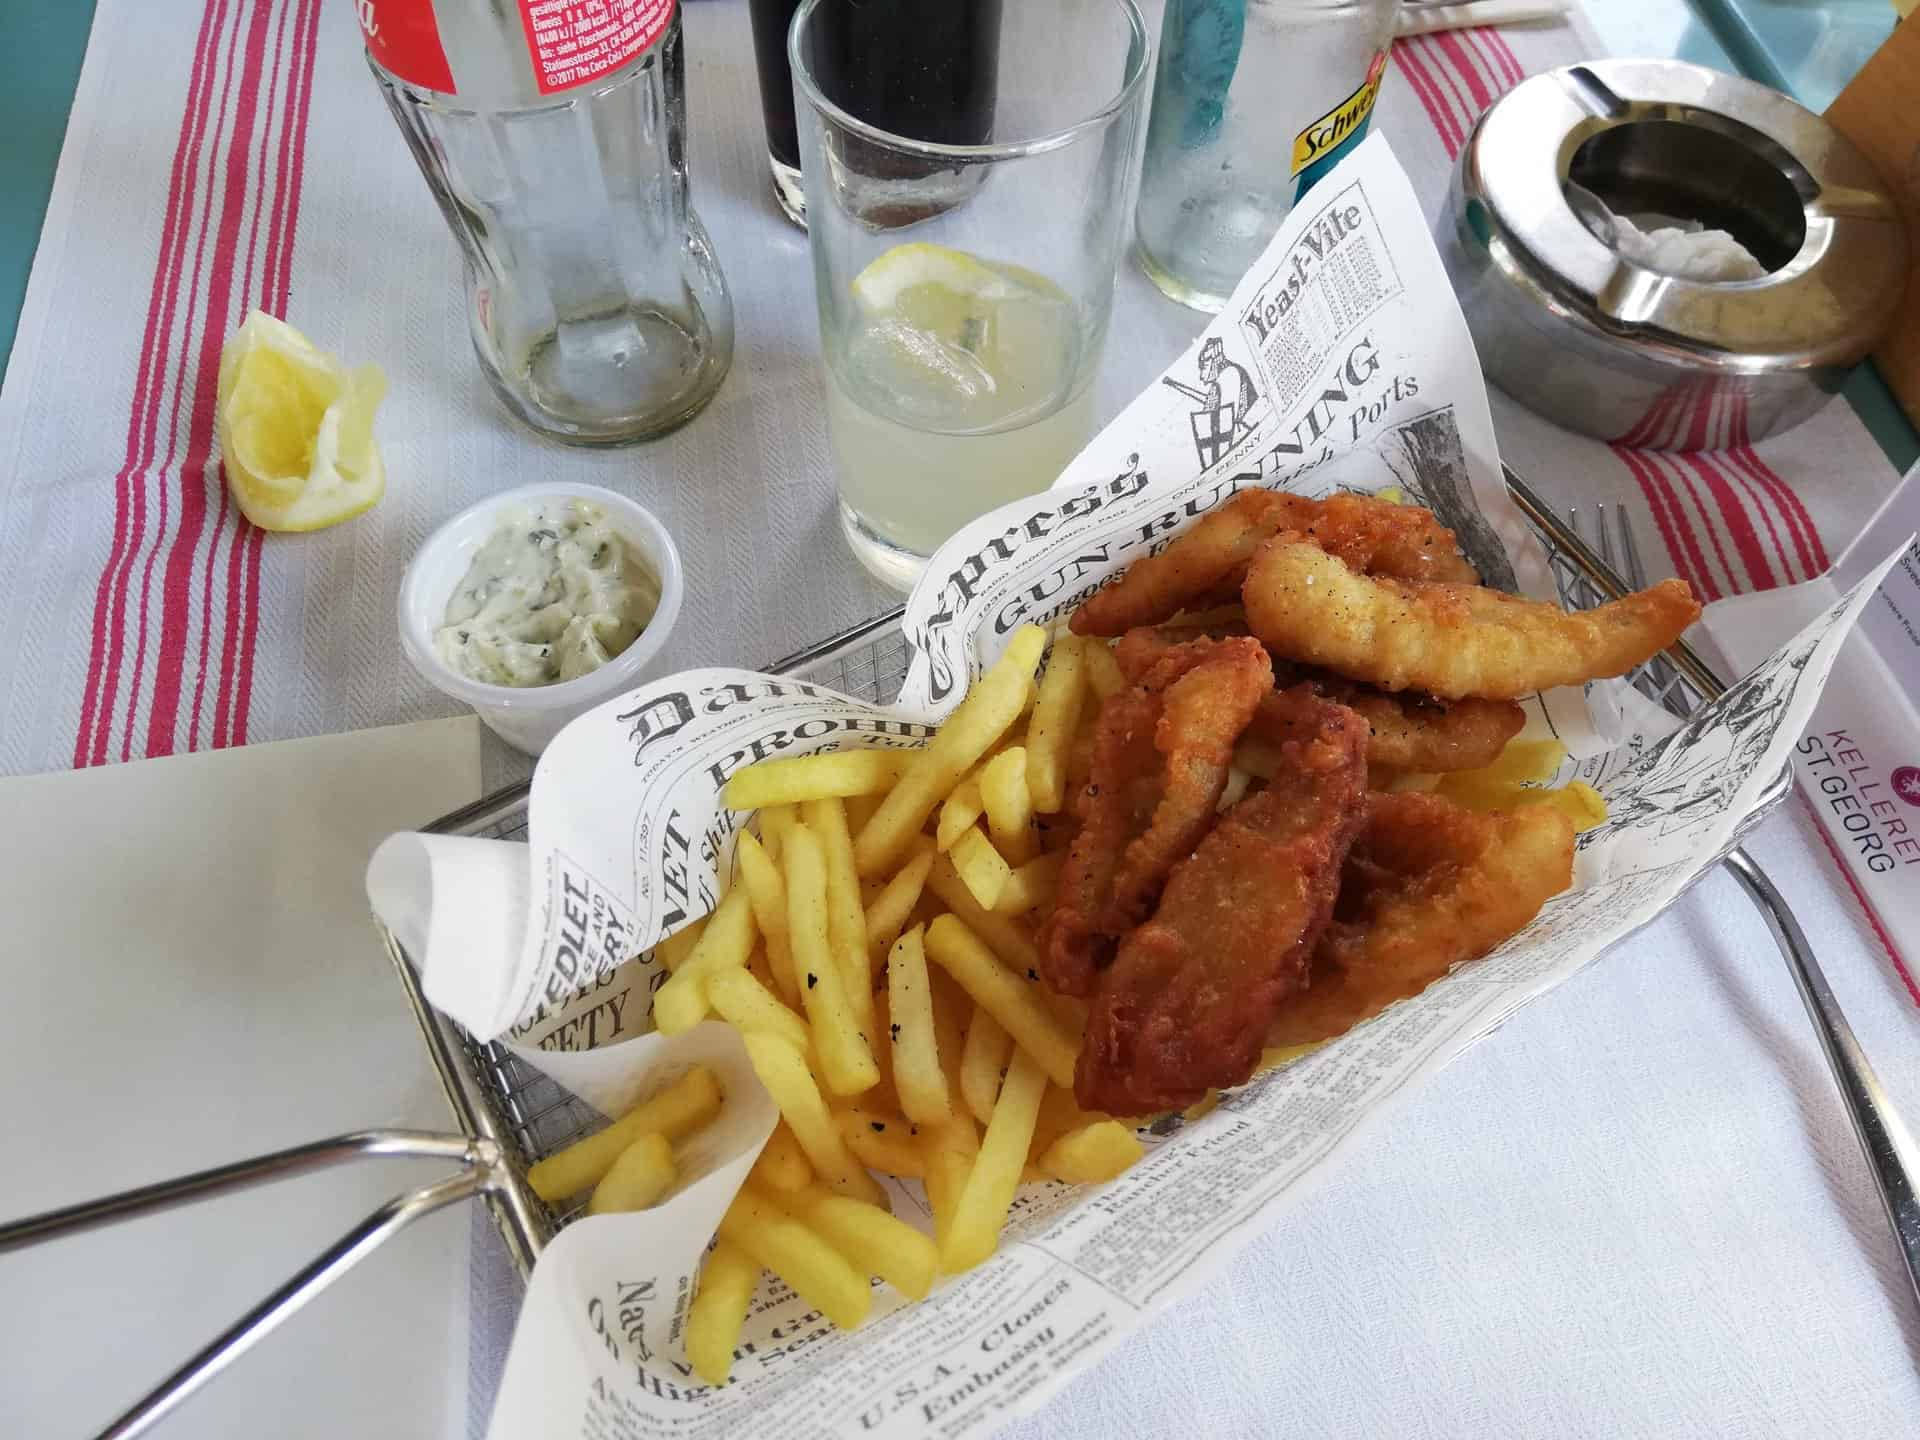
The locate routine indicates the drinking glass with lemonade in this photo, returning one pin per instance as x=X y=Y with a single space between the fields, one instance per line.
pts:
x=964 y=289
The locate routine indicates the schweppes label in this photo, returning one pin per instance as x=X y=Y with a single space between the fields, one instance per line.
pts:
x=1320 y=144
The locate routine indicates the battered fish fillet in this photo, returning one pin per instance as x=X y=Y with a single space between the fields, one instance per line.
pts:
x=1427 y=885
x=1206 y=564
x=1187 y=1002
x=1162 y=750
x=1410 y=731
x=1145 y=646
x=1448 y=640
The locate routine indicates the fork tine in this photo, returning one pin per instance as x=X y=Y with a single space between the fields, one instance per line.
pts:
x=1605 y=545
x=1636 y=572
x=1673 y=690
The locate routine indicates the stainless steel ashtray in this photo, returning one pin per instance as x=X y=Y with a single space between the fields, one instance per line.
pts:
x=1605 y=345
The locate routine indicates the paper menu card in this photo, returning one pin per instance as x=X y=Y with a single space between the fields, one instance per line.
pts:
x=192 y=977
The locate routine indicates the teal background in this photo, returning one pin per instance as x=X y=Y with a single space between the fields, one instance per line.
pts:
x=41 y=45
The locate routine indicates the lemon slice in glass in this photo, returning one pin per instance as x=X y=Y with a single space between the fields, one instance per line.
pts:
x=296 y=428
x=961 y=339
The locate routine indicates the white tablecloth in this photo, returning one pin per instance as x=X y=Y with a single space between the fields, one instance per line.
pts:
x=1637 y=1211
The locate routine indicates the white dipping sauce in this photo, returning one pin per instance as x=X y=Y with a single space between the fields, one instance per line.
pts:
x=554 y=594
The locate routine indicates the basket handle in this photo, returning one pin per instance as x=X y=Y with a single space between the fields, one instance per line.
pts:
x=483 y=1170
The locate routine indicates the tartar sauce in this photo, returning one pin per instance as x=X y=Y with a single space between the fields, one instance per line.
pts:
x=552 y=595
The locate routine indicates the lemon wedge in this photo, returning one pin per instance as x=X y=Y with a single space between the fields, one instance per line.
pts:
x=966 y=339
x=932 y=287
x=296 y=428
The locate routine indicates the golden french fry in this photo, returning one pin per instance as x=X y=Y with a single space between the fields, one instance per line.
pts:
x=746 y=1004
x=782 y=1164
x=1274 y=1056
x=757 y=967
x=1091 y=1155
x=775 y=821
x=846 y=915
x=782 y=1070
x=958 y=812
x=1059 y=1113
x=982 y=869
x=641 y=1175
x=1576 y=799
x=681 y=1003
x=767 y=894
x=888 y=911
x=982 y=1209
x=983 y=1060
x=1524 y=763
x=871 y=1239
x=846 y=1060
x=1031 y=885
x=949 y=1151
x=1412 y=780
x=719 y=1309
x=991 y=706
x=1003 y=790
x=837 y=773
x=952 y=1011
x=1014 y=1002
x=1056 y=718
x=881 y=1141
x=860 y=809
x=1004 y=936
x=673 y=951
x=677 y=1111
x=1104 y=675
x=882 y=1096
x=815 y=1271
x=918 y=1078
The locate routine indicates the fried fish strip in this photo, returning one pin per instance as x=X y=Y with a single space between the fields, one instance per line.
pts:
x=1186 y=1004
x=1407 y=731
x=1410 y=731
x=1448 y=640
x=1162 y=750
x=1428 y=885
x=1206 y=564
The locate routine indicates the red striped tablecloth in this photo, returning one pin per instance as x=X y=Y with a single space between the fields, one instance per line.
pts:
x=1639 y=1214
x=224 y=154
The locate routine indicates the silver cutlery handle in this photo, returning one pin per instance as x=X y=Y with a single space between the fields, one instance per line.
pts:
x=1891 y=1154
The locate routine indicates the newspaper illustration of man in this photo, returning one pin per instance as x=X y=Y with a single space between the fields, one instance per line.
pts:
x=1226 y=402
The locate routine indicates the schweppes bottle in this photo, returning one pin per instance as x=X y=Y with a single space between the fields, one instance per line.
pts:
x=1253 y=101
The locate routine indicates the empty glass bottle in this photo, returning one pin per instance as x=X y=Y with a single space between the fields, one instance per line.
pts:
x=553 y=135
x=1253 y=101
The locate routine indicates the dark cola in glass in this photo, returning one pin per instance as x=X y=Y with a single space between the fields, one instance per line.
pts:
x=921 y=69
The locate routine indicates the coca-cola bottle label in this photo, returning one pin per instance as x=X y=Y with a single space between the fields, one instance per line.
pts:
x=570 y=42
x=403 y=38
x=574 y=41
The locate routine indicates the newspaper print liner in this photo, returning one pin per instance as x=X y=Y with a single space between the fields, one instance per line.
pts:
x=627 y=838
x=599 y=1349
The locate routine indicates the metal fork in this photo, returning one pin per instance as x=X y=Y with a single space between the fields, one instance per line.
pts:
x=1892 y=1158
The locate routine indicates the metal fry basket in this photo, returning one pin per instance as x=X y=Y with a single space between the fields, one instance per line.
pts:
x=510 y=1115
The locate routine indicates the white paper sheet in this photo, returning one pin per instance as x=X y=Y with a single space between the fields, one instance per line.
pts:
x=192 y=978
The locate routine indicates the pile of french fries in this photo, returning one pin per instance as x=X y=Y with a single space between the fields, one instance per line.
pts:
x=876 y=952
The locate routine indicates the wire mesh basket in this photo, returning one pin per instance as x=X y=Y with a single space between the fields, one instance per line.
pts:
x=510 y=1115
x=501 y=1097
